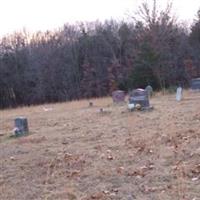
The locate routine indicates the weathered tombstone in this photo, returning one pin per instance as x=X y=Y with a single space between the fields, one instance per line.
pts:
x=149 y=90
x=118 y=96
x=21 y=126
x=139 y=97
x=195 y=84
x=179 y=91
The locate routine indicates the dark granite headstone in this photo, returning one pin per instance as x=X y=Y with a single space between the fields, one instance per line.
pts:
x=21 y=126
x=118 y=96
x=139 y=96
x=195 y=84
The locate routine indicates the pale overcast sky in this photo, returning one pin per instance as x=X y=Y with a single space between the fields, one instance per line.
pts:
x=49 y=14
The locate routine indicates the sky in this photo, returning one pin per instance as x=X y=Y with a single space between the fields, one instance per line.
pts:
x=34 y=15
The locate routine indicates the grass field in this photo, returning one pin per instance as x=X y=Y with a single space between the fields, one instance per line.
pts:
x=76 y=152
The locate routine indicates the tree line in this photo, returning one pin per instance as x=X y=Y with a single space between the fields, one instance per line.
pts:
x=93 y=59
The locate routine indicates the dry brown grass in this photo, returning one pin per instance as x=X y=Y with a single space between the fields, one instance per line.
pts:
x=77 y=152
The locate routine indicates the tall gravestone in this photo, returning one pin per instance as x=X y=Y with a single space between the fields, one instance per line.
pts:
x=21 y=126
x=118 y=96
x=139 y=96
x=179 y=91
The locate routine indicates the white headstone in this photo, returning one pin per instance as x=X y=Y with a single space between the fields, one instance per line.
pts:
x=179 y=93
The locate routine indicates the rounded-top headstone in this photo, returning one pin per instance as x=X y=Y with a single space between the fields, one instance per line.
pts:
x=149 y=90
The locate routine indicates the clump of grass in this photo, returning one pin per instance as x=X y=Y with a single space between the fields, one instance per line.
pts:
x=171 y=90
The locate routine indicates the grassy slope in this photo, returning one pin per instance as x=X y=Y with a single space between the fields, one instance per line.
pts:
x=76 y=152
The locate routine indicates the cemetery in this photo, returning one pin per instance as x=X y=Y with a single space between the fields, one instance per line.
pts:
x=100 y=105
x=99 y=150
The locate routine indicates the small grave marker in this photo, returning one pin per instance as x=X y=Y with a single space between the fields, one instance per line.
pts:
x=118 y=96
x=90 y=104
x=21 y=126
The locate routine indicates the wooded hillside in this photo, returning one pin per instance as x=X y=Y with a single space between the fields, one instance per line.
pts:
x=93 y=59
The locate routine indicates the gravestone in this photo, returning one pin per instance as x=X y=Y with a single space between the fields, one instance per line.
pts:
x=21 y=126
x=118 y=96
x=179 y=91
x=149 y=90
x=195 y=84
x=139 y=97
